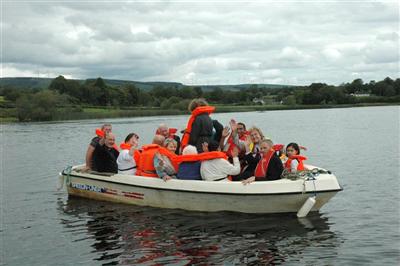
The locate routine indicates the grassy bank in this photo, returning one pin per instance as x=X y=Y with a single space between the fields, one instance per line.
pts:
x=9 y=115
x=251 y=108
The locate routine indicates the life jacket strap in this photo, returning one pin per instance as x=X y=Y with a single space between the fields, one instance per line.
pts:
x=149 y=172
x=130 y=168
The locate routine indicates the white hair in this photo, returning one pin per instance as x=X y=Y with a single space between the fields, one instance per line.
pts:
x=189 y=149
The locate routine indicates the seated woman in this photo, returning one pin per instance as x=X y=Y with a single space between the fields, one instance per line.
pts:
x=189 y=170
x=126 y=161
x=163 y=165
x=294 y=162
x=270 y=167
x=253 y=156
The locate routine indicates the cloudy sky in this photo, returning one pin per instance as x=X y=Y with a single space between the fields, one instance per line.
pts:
x=199 y=42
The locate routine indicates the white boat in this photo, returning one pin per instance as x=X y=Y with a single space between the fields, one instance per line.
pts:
x=280 y=196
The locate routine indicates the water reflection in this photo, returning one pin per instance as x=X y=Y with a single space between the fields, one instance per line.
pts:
x=126 y=235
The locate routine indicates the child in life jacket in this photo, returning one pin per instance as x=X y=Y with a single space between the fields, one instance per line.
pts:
x=294 y=162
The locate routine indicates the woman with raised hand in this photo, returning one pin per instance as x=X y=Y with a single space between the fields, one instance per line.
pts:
x=126 y=161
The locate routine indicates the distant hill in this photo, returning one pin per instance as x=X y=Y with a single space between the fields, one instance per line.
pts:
x=139 y=84
x=26 y=83
x=43 y=83
x=242 y=86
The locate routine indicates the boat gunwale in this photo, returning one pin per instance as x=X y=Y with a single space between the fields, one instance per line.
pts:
x=203 y=192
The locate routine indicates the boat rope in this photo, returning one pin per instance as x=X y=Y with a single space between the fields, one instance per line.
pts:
x=68 y=171
x=305 y=175
x=310 y=177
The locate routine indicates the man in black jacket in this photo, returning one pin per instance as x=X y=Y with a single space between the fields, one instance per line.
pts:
x=105 y=155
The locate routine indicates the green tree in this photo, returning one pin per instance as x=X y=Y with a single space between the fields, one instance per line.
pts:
x=145 y=98
x=216 y=94
x=396 y=85
x=37 y=107
x=356 y=86
x=198 y=91
x=289 y=100
x=187 y=93
x=99 y=82
x=132 y=94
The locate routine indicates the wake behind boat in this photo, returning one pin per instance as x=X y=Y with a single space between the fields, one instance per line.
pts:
x=279 y=196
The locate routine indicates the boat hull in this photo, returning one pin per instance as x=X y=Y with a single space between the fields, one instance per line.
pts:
x=258 y=197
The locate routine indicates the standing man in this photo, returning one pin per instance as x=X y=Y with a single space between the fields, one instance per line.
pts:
x=106 y=128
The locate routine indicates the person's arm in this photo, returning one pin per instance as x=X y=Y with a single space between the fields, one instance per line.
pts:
x=159 y=166
x=249 y=180
x=195 y=133
x=178 y=144
x=251 y=159
x=89 y=157
x=225 y=134
x=126 y=156
x=231 y=169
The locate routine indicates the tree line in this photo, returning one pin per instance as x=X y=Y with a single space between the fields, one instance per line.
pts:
x=72 y=95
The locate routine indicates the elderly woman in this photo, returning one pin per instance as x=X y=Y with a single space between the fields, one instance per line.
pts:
x=253 y=156
x=163 y=164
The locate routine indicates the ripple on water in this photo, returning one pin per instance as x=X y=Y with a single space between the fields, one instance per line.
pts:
x=139 y=235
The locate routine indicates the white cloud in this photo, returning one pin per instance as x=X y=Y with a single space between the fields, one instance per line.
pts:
x=331 y=54
x=203 y=42
x=292 y=54
x=384 y=49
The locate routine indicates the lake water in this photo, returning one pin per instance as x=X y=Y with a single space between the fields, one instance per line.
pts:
x=359 y=226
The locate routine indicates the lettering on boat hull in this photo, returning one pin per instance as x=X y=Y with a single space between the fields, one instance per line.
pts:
x=116 y=192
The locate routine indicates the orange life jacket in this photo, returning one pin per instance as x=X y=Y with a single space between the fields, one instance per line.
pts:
x=136 y=153
x=125 y=146
x=262 y=166
x=299 y=158
x=145 y=165
x=200 y=157
x=99 y=133
x=145 y=159
x=196 y=112
x=278 y=147
x=170 y=155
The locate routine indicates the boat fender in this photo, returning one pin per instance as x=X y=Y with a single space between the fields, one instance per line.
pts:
x=306 y=208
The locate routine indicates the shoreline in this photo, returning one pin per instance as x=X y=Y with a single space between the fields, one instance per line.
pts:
x=105 y=113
